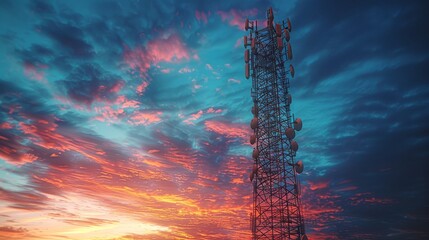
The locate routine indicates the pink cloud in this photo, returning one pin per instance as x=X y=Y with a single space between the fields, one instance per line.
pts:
x=237 y=17
x=117 y=86
x=199 y=114
x=34 y=71
x=212 y=110
x=145 y=118
x=170 y=49
x=126 y=103
x=108 y=113
x=137 y=59
x=106 y=93
x=194 y=117
x=142 y=87
x=318 y=185
x=167 y=50
x=112 y=112
x=231 y=130
x=201 y=16
x=6 y=125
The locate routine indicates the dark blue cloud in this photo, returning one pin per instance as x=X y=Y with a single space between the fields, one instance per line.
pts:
x=363 y=56
x=89 y=82
x=68 y=37
x=41 y=7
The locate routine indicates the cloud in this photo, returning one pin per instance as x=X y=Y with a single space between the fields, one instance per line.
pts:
x=158 y=50
x=23 y=200
x=89 y=221
x=14 y=232
x=229 y=130
x=34 y=72
x=145 y=118
x=194 y=117
x=12 y=151
x=68 y=37
x=237 y=17
x=186 y=70
x=90 y=82
x=41 y=7
x=202 y=16
x=209 y=67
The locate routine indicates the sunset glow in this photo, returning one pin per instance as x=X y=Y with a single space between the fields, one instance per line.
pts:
x=130 y=119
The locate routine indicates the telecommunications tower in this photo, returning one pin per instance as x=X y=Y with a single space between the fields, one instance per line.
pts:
x=276 y=212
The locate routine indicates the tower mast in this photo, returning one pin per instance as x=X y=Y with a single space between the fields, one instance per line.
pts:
x=276 y=212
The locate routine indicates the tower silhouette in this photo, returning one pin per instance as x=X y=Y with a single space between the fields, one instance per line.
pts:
x=276 y=212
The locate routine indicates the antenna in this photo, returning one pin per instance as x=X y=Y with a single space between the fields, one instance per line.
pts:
x=287 y=35
x=247 y=70
x=297 y=124
x=294 y=145
x=299 y=167
x=245 y=42
x=292 y=70
x=246 y=55
x=255 y=154
x=289 y=25
x=254 y=123
x=276 y=212
x=289 y=51
x=290 y=133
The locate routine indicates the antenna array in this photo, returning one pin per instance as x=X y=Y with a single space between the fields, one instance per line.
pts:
x=276 y=212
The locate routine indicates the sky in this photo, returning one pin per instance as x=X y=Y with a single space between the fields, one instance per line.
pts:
x=130 y=119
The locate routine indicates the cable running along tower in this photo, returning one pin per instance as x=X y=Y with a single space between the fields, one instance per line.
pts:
x=276 y=212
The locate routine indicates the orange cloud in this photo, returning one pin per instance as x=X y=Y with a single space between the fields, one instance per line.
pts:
x=318 y=185
x=9 y=232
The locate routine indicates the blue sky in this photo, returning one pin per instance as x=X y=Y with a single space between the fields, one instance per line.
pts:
x=130 y=119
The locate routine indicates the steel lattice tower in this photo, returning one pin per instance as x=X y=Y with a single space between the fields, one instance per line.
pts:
x=277 y=210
